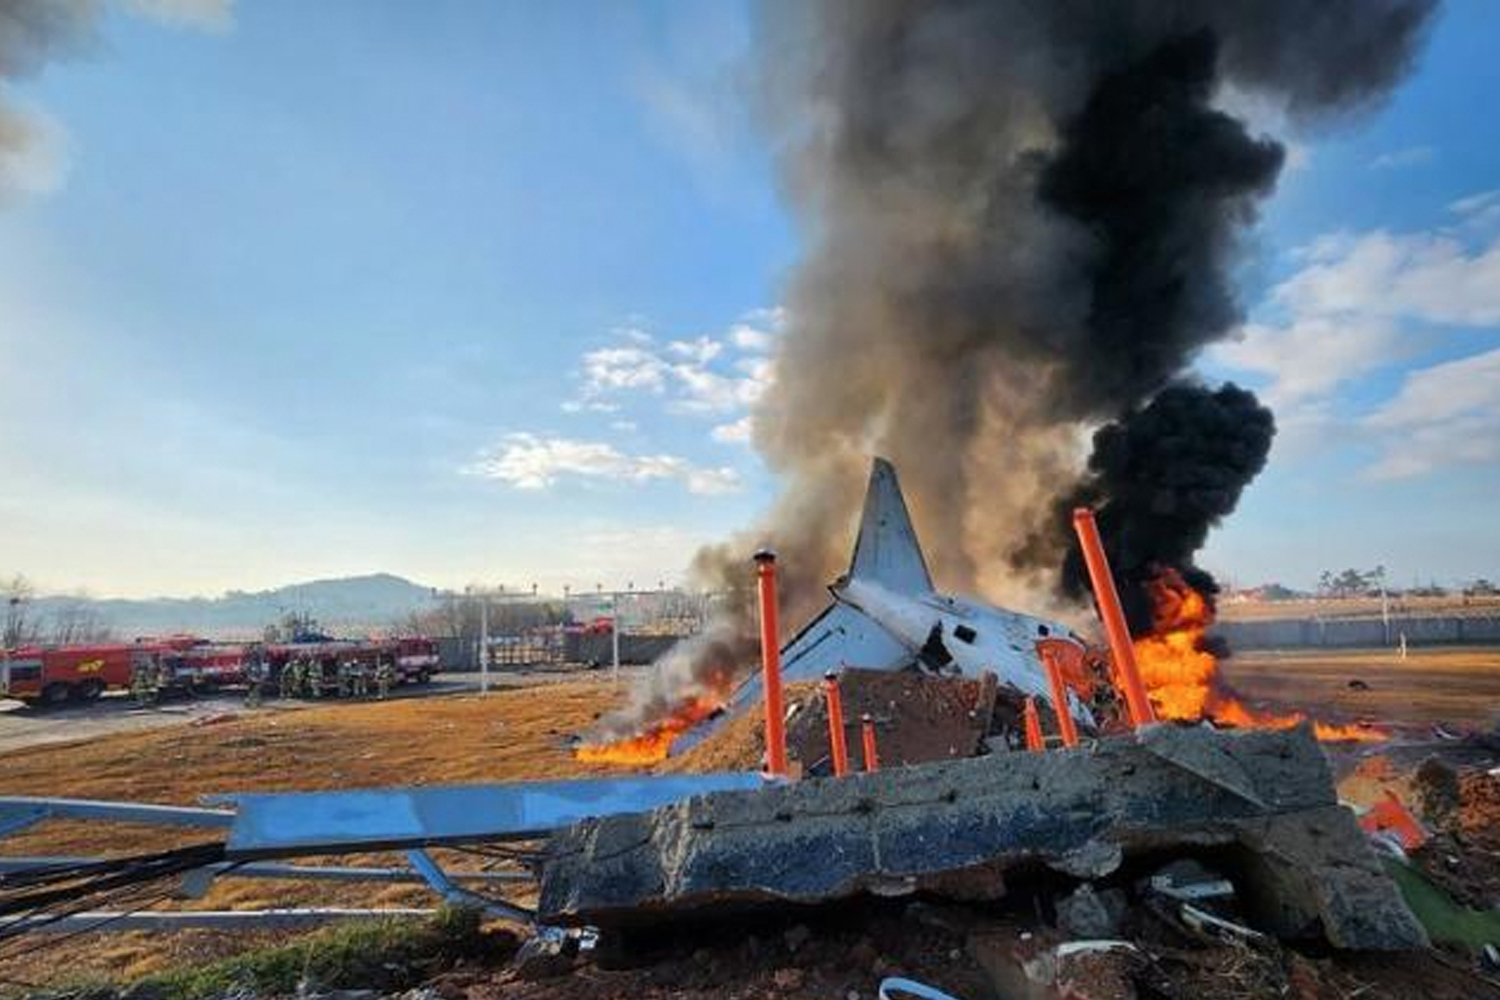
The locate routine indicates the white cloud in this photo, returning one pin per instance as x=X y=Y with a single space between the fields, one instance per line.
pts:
x=1478 y=211
x=1445 y=415
x=588 y=406
x=1431 y=276
x=1397 y=159
x=748 y=338
x=735 y=432
x=610 y=368
x=531 y=462
x=204 y=15
x=699 y=351
x=713 y=482
x=705 y=375
x=1363 y=302
x=701 y=390
x=1311 y=355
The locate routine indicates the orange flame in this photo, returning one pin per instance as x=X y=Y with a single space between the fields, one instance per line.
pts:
x=652 y=745
x=1181 y=674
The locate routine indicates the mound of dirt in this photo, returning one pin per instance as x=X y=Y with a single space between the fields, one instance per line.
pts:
x=917 y=718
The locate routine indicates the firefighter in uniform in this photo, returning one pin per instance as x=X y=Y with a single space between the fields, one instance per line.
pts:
x=143 y=681
x=385 y=675
x=291 y=680
x=255 y=676
x=313 y=677
x=361 y=680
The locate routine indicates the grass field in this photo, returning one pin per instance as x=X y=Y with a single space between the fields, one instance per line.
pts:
x=506 y=736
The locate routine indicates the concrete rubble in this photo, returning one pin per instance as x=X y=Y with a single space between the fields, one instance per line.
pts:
x=1261 y=803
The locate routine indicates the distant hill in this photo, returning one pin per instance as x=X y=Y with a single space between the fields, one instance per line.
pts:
x=347 y=605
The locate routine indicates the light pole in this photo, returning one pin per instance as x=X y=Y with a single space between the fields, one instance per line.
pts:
x=12 y=630
x=614 y=636
x=484 y=642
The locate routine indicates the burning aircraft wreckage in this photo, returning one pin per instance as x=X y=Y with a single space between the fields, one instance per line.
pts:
x=1114 y=785
x=1022 y=220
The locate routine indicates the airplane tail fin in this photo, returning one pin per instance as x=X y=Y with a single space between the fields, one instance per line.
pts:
x=887 y=551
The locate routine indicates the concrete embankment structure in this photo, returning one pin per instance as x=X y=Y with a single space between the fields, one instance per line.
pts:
x=1359 y=633
x=1261 y=802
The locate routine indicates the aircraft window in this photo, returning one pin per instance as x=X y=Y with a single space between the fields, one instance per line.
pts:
x=933 y=653
x=1043 y=630
x=966 y=634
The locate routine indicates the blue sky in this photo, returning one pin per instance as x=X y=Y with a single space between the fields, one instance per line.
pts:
x=483 y=292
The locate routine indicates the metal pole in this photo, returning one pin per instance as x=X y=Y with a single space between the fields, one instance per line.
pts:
x=1033 y=721
x=838 y=748
x=484 y=642
x=770 y=660
x=614 y=636
x=1051 y=656
x=867 y=734
x=1108 y=599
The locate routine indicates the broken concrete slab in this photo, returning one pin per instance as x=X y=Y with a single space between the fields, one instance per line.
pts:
x=1262 y=800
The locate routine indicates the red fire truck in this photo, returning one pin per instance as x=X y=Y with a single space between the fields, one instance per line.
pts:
x=416 y=659
x=53 y=675
x=193 y=665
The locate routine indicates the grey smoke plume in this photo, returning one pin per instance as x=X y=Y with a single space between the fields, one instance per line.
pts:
x=1020 y=220
x=33 y=32
x=703 y=666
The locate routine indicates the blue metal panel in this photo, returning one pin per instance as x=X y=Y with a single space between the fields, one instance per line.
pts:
x=456 y=896
x=15 y=806
x=14 y=820
x=345 y=821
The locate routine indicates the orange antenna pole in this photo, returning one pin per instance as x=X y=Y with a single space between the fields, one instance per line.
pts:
x=1051 y=656
x=1108 y=600
x=867 y=735
x=838 y=747
x=1033 y=722
x=770 y=663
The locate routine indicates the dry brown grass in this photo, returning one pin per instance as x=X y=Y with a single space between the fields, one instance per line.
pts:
x=506 y=736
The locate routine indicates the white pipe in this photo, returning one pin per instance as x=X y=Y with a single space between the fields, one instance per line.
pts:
x=484 y=643
x=163 y=920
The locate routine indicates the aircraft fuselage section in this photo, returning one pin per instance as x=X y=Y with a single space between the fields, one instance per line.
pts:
x=958 y=636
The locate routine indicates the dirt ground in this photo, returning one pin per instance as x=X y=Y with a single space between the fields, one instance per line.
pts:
x=1457 y=687
x=509 y=735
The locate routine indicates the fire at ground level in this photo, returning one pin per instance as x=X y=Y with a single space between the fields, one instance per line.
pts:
x=525 y=734
x=1179 y=664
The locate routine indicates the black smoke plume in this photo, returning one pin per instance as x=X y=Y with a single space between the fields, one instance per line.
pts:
x=1159 y=479
x=1019 y=223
